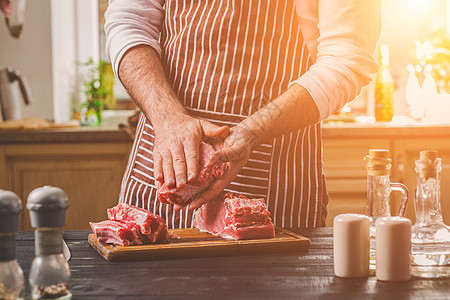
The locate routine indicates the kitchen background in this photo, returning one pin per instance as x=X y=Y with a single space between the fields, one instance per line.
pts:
x=60 y=36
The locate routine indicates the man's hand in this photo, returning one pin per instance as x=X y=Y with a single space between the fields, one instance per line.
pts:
x=177 y=135
x=5 y=7
x=235 y=150
x=175 y=153
x=293 y=109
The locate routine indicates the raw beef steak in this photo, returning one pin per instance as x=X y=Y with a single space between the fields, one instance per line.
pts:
x=117 y=233
x=206 y=175
x=236 y=217
x=130 y=225
x=149 y=224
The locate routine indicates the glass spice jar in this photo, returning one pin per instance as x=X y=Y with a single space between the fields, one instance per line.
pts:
x=12 y=282
x=50 y=273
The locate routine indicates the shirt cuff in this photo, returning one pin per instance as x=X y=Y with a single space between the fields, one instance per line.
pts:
x=317 y=91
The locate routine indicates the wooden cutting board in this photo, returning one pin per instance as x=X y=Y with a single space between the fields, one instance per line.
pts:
x=193 y=243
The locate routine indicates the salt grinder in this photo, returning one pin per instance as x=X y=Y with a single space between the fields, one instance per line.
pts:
x=393 y=248
x=351 y=241
x=50 y=273
x=12 y=282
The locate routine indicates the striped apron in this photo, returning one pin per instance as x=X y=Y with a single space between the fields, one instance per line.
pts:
x=225 y=59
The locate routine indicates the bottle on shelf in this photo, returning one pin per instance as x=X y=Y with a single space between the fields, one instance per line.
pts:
x=379 y=188
x=12 y=282
x=49 y=273
x=430 y=236
x=429 y=88
x=414 y=95
x=429 y=92
x=384 y=89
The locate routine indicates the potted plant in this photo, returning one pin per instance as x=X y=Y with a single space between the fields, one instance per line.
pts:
x=98 y=89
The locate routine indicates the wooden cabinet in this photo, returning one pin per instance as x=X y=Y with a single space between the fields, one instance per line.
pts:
x=346 y=173
x=90 y=174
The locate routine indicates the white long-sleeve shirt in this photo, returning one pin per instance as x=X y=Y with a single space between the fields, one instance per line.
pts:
x=341 y=36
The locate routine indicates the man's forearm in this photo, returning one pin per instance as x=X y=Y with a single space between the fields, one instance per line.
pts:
x=292 y=110
x=141 y=73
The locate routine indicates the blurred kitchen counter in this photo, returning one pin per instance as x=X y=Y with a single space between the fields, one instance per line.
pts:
x=108 y=131
x=400 y=128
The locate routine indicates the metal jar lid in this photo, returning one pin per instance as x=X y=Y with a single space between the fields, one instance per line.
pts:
x=10 y=208
x=47 y=206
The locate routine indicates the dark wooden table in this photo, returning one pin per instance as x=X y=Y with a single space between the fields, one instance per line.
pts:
x=305 y=275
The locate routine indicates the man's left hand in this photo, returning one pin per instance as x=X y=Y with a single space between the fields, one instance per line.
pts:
x=235 y=150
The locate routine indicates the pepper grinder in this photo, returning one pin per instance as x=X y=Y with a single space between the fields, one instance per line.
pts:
x=50 y=273
x=12 y=282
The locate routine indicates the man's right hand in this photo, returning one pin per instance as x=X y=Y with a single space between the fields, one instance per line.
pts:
x=178 y=135
x=176 y=149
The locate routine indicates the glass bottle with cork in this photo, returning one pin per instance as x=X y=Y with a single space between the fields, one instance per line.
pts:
x=12 y=282
x=384 y=89
x=379 y=188
x=50 y=273
x=430 y=236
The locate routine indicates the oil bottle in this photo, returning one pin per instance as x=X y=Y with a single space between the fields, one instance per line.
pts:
x=379 y=188
x=430 y=236
x=384 y=89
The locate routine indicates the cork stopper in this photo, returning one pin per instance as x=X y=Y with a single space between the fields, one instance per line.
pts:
x=10 y=208
x=428 y=154
x=378 y=162
x=47 y=206
x=379 y=153
x=427 y=159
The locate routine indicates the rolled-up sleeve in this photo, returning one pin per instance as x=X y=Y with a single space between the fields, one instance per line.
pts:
x=347 y=31
x=130 y=23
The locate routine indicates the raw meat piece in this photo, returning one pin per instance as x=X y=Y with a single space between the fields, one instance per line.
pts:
x=159 y=234
x=207 y=173
x=117 y=233
x=236 y=217
x=244 y=212
x=211 y=216
x=149 y=224
x=130 y=225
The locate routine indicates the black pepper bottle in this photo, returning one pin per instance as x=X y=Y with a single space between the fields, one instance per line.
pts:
x=50 y=273
x=12 y=282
